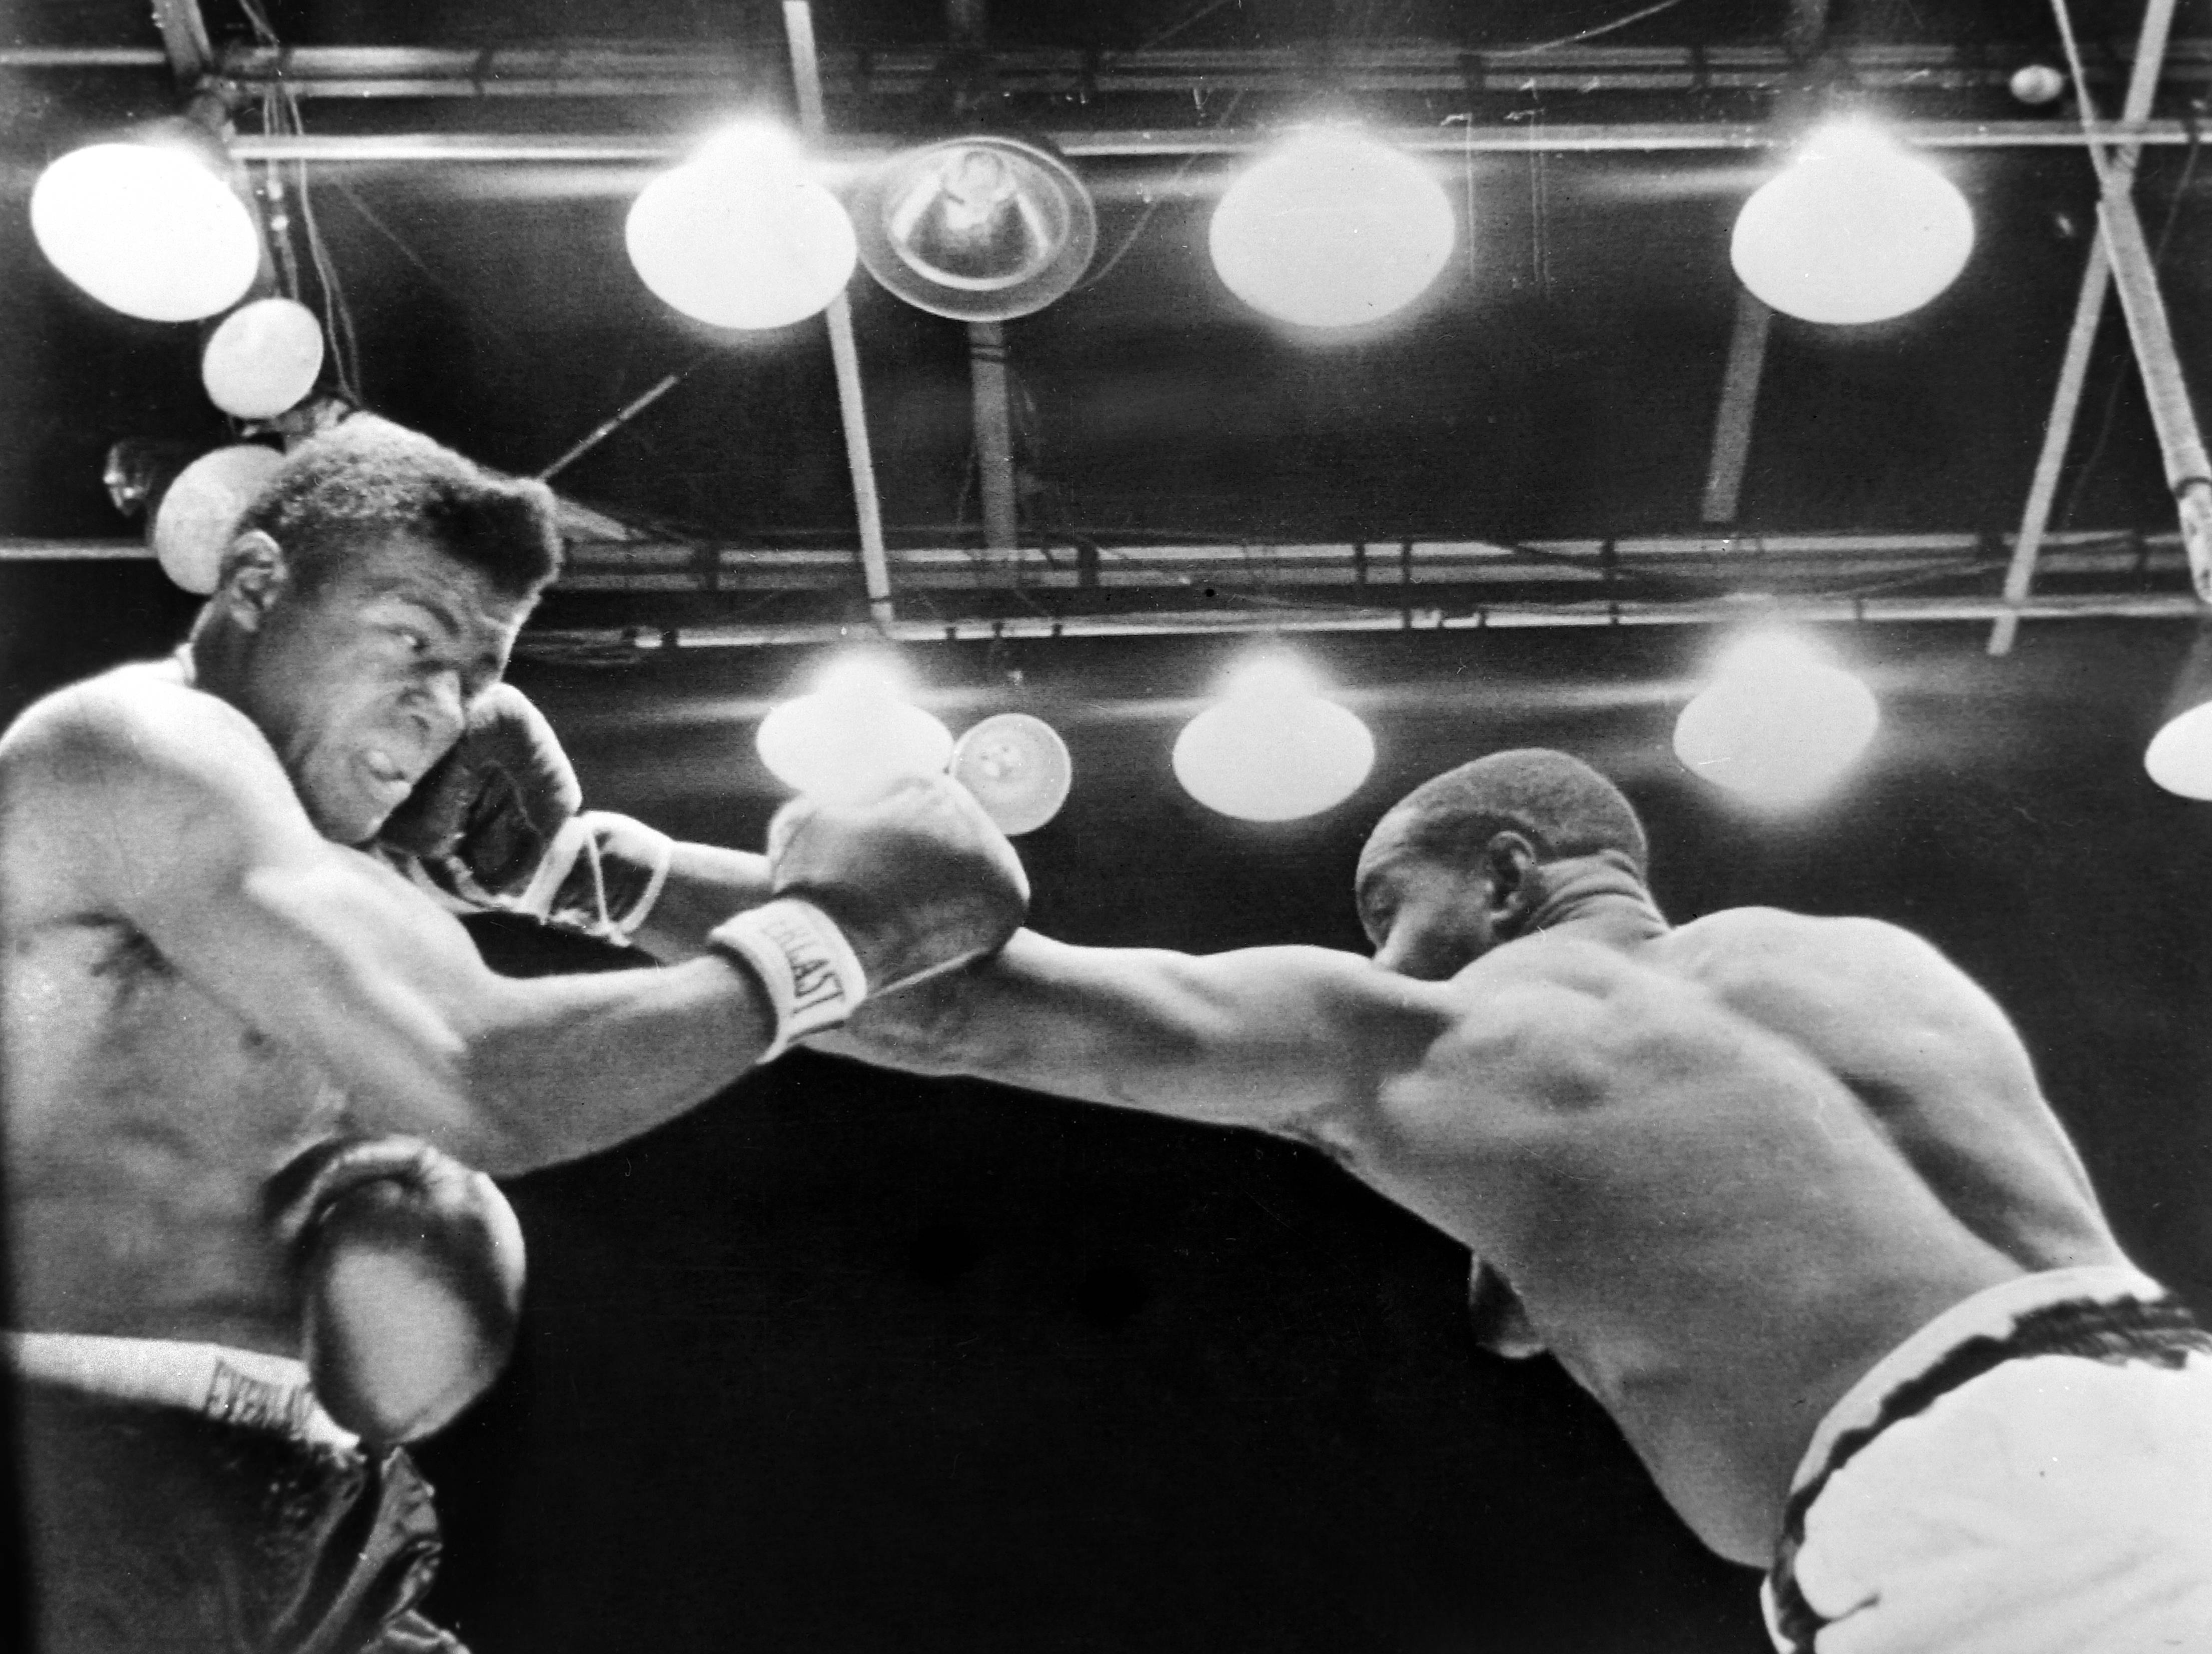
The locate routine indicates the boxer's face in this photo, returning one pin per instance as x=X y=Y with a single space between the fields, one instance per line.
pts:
x=1427 y=917
x=363 y=680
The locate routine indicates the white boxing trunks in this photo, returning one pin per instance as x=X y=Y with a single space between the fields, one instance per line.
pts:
x=2031 y=1473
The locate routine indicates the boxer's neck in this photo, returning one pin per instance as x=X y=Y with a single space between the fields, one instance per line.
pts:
x=213 y=658
x=1596 y=898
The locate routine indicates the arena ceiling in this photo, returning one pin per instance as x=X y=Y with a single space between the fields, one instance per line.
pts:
x=1549 y=436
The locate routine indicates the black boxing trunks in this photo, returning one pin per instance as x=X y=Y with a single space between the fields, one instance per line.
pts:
x=2031 y=1473
x=186 y=1497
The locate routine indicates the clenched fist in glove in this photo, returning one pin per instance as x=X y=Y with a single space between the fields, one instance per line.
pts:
x=409 y=1267
x=499 y=823
x=871 y=897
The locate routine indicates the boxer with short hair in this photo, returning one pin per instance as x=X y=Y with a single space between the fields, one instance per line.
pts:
x=255 y=1072
x=1781 y=1192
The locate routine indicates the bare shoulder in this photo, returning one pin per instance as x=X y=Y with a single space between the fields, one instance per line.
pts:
x=120 y=781
x=1737 y=946
x=1852 y=982
x=142 y=709
x=134 y=727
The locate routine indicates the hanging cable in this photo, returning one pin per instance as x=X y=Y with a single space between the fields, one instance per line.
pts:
x=337 y=314
x=1154 y=204
x=1592 y=32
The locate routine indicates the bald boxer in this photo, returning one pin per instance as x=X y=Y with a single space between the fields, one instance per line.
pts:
x=1780 y=1192
x=257 y=1078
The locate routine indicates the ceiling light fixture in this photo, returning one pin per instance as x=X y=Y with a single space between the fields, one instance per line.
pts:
x=195 y=522
x=853 y=737
x=263 y=358
x=1271 y=749
x=1017 y=768
x=1332 y=229
x=2179 y=756
x=1778 y=725
x=153 y=228
x=742 y=235
x=978 y=228
x=1855 y=230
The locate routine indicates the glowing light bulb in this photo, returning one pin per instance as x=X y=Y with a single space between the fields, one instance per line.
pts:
x=741 y=235
x=1017 y=768
x=198 y=518
x=2179 y=756
x=1271 y=749
x=263 y=358
x=1332 y=229
x=1778 y=725
x=1855 y=230
x=147 y=229
x=853 y=739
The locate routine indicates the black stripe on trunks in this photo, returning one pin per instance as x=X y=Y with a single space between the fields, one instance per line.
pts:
x=2158 y=1331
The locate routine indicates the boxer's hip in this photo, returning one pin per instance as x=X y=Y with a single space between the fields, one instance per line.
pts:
x=2031 y=1470
x=185 y=1497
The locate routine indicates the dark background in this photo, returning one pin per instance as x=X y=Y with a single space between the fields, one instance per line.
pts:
x=849 y=1362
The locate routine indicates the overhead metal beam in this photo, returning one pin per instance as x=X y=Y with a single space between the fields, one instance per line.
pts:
x=602 y=557
x=844 y=349
x=2088 y=311
x=2135 y=276
x=630 y=148
x=2180 y=440
x=1732 y=423
x=994 y=433
x=184 y=41
x=596 y=69
x=2057 y=437
x=1885 y=611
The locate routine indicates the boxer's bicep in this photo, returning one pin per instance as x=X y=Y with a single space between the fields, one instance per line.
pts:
x=337 y=955
x=180 y=821
x=208 y=855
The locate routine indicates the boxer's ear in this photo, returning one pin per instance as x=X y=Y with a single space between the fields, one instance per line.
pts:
x=252 y=573
x=1509 y=868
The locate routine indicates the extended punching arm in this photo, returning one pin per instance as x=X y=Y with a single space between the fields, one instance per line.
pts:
x=1284 y=1039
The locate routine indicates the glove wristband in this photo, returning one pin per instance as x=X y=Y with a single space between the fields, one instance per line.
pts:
x=814 y=979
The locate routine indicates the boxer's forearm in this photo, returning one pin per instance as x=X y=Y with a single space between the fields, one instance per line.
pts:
x=557 y=1068
x=1279 y=1039
x=390 y=999
x=705 y=883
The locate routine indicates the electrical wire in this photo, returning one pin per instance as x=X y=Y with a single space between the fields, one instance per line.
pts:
x=280 y=219
x=1202 y=13
x=1589 y=34
x=1155 y=203
x=280 y=116
x=280 y=112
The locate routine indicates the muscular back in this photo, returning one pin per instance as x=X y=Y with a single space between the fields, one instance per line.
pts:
x=1726 y=1169
x=1932 y=1059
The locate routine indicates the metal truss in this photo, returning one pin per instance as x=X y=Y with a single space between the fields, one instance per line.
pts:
x=688 y=70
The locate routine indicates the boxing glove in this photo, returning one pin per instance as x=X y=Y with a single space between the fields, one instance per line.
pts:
x=869 y=897
x=499 y=824
x=407 y=1267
